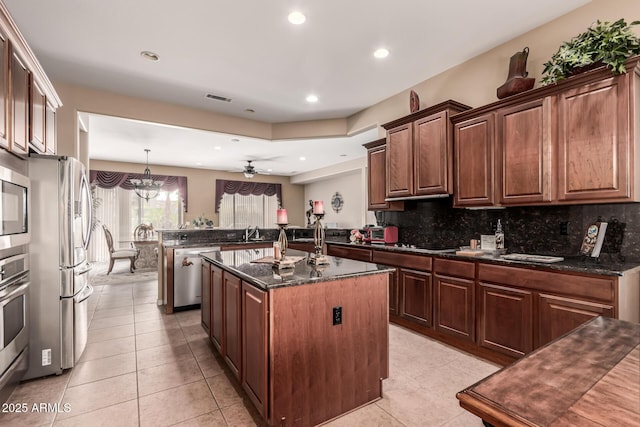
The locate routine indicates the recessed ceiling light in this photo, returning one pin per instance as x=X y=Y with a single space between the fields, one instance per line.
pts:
x=296 y=18
x=269 y=170
x=381 y=53
x=198 y=164
x=303 y=158
x=150 y=56
x=249 y=110
x=312 y=98
x=217 y=147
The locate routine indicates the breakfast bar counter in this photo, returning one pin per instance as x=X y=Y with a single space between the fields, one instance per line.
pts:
x=589 y=377
x=307 y=343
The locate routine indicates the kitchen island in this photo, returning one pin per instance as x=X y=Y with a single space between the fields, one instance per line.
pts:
x=308 y=343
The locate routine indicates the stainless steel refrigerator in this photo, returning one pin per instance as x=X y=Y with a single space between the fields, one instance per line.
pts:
x=60 y=289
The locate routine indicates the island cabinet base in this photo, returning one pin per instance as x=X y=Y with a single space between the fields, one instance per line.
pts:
x=319 y=370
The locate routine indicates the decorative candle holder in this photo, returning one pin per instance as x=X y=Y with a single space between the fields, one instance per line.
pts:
x=318 y=240
x=282 y=240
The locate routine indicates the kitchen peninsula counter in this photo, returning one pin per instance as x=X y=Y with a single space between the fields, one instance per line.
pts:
x=308 y=343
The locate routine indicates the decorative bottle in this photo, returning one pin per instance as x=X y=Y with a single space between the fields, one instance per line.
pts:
x=499 y=236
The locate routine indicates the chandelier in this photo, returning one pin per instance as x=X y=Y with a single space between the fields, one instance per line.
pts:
x=146 y=188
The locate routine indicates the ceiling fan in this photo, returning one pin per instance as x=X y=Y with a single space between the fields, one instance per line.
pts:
x=249 y=170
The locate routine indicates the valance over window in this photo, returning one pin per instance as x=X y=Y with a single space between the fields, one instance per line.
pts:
x=246 y=188
x=108 y=179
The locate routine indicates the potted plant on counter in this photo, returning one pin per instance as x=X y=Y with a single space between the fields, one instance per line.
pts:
x=604 y=43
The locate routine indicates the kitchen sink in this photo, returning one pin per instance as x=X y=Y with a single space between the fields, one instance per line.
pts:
x=533 y=258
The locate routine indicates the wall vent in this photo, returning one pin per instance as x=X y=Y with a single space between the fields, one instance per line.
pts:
x=218 y=97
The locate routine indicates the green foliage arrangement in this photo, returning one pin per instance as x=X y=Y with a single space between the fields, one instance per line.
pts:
x=604 y=43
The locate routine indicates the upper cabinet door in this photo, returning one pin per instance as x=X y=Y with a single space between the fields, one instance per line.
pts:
x=376 y=174
x=474 y=154
x=4 y=91
x=37 y=116
x=431 y=151
x=594 y=143
x=20 y=105
x=400 y=161
x=50 y=129
x=525 y=135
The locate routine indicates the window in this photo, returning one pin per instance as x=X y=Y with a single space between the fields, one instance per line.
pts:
x=238 y=211
x=122 y=211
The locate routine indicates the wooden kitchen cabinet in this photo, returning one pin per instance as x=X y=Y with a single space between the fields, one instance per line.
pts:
x=432 y=155
x=357 y=253
x=217 y=308
x=416 y=290
x=525 y=134
x=595 y=142
x=302 y=246
x=505 y=319
x=558 y=315
x=255 y=349
x=419 y=158
x=569 y=143
x=205 y=292
x=394 y=293
x=376 y=178
x=50 y=129
x=37 y=116
x=232 y=344
x=474 y=162
x=19 y=106
x=399 y=161
x=454 y=298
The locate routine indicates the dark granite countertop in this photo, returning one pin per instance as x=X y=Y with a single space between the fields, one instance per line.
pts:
x=577 y=264
x=265 y=276
x=176 y=244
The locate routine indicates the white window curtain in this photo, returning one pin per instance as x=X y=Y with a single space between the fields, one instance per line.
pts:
x=238 y=211
x=122 y=211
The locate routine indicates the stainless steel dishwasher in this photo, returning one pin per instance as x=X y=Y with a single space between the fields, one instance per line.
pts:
x=187 y=277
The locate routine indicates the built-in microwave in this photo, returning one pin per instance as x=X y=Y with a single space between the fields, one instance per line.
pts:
x=14 y=199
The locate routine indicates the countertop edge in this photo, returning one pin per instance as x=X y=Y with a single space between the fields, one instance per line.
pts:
x=585 y=268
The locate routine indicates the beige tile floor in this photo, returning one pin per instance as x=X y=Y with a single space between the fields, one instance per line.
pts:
x=144 y=368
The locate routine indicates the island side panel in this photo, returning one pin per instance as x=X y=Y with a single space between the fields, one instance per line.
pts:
x=319 y=371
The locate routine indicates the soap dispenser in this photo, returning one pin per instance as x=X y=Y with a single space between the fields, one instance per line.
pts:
x=499 y=236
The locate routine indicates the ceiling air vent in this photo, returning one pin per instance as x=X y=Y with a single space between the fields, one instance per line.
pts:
x=217 y=97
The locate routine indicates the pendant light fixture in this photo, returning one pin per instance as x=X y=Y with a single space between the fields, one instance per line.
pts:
x=146 y=188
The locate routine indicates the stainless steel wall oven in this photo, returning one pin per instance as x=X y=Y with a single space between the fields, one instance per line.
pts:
x=14 y=321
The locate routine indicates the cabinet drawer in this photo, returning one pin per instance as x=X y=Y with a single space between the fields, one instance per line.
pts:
x=448 y=267
x=359 y=254
x=598 y=288
x=399 y=259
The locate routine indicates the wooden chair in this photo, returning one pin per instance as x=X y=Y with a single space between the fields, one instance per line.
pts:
x=116 y=254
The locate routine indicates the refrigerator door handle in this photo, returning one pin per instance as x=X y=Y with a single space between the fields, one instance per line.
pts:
x=84 y=185
x=84 y=294
x=88 y=268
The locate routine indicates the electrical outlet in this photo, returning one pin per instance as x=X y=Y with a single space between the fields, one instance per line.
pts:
x=337 y=316
x=46 y=357
x=564 y=228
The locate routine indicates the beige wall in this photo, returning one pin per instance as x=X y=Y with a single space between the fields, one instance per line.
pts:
x=350 y=187
x=201 y=188
x=473 y=82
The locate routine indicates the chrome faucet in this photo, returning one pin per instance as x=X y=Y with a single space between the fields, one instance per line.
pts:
x=248 y=233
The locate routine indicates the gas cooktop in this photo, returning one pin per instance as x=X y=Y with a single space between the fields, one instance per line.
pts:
x=432 y=249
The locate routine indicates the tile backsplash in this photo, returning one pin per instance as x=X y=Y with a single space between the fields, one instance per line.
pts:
x=531 y=229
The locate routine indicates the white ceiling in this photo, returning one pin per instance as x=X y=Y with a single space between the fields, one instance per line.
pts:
x=249 y=52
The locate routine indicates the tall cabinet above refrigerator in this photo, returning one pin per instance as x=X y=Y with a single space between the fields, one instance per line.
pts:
x=60 y=233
